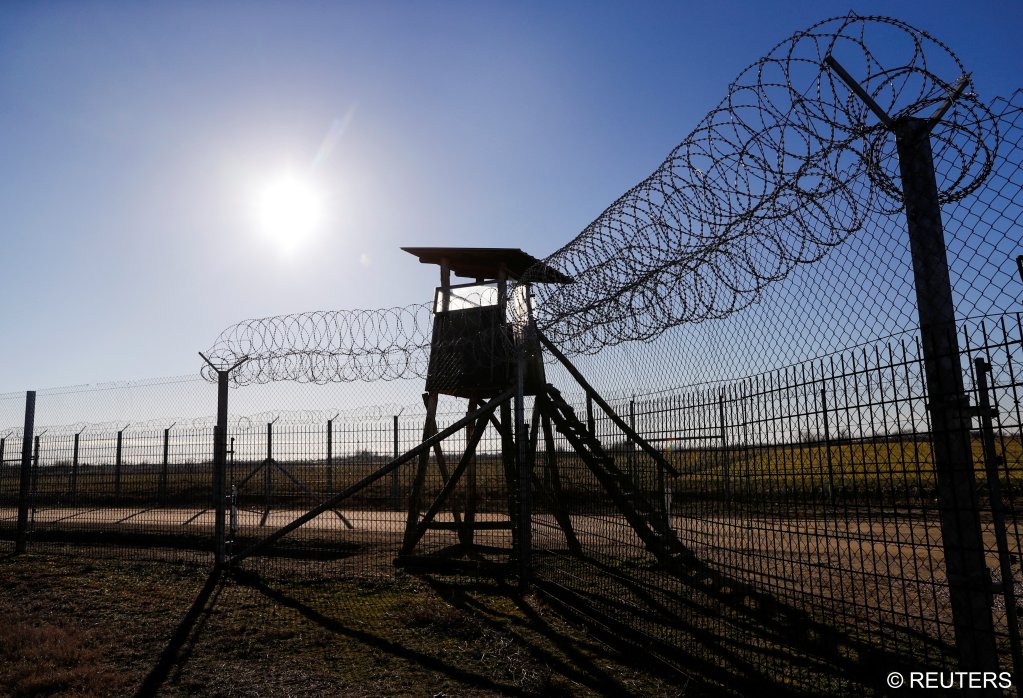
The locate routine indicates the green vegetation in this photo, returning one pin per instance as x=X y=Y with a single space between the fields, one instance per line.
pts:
x=895 y=469
x=901 y=466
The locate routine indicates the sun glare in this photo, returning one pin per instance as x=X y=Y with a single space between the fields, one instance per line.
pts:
x=289 y=210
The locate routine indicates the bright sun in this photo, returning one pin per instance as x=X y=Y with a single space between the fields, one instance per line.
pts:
x=289 y=210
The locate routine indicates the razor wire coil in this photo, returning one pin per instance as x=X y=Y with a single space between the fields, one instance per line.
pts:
x=785 y=169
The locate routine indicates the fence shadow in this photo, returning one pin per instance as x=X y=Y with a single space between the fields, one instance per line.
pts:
x=725 y=638
x=531 y=628
x=730 y=638
x=496 y=609
x=332 y=621
x=179 y=648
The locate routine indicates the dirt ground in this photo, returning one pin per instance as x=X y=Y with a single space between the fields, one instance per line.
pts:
x=94 y=625
x=807 y=605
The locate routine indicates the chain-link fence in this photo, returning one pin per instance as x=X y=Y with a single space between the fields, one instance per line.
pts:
x=809 y=497
x=770 y=432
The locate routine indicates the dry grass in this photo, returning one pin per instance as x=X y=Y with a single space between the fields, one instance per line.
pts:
x=113 y=628
x=53 y=659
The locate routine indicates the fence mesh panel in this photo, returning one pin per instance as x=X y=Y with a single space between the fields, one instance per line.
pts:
x=723 y=445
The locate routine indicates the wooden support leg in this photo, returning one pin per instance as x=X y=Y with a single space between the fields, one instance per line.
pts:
x=467 y=532
x=442 y=465
x=445 y=493
x=553 y=483
x=429 y=428
x=511 y=472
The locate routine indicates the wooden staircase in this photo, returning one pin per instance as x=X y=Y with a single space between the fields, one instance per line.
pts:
x=652 y=526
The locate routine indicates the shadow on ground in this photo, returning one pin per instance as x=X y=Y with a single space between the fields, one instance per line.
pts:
x=728 y=637
x=177 y=652
x=614 y=631
x=391 y=634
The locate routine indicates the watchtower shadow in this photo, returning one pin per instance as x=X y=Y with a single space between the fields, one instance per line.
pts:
x=331 y=613
x=730 y=638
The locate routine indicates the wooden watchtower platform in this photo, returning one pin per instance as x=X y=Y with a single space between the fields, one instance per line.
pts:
x=478 y=326
x=487 y=350
x=480 y=330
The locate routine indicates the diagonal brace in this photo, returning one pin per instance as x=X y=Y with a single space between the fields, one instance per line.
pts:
x=331 y=503
x=449 y=487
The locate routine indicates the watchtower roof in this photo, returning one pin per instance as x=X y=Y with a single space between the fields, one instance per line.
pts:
x=486 y=262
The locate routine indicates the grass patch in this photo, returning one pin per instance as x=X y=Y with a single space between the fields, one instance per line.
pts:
x=111 y=627
x=41 y=658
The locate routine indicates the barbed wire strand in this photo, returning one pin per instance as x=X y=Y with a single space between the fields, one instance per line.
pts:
x=785 y=169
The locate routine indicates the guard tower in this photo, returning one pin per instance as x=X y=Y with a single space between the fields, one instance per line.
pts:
x=479 y=326
x=485 y=349
x=480 y=332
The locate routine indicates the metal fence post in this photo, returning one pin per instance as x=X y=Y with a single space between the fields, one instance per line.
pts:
x=73 y=479
x=330 y=457
x=629 y=445
x=268 y=470
x=395 y=489
x=117 y=462
x=21 y=537
x=220 y=463
x=219 y=470
x=725 y=472
x=969 y=584
x=164 y=465
x=959 y=507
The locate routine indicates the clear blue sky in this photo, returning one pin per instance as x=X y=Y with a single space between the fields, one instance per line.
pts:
x=134 y=134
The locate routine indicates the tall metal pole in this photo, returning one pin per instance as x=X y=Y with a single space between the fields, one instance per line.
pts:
x=969 y=584
x=220 y=471
x=330 y=457
x=21 y=539
x=959 y=507
x=395 y=492
x=220 y=463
